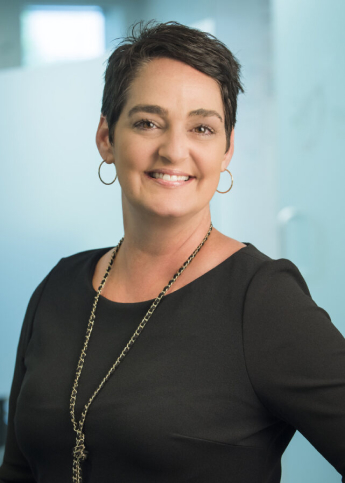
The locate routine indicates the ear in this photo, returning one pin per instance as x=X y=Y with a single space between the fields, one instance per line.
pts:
x=229 y=153
x=102 y=140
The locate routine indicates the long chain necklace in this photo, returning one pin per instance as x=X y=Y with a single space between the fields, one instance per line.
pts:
x=79 y=450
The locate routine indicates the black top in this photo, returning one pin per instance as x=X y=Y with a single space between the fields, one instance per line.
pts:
x=225 y=371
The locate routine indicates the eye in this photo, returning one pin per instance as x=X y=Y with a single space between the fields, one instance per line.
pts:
x=204 y=129
x=144 y=124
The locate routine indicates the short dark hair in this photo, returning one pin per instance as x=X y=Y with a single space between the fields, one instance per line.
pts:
x=173 y=40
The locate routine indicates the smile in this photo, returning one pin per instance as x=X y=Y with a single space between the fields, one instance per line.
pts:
x=169 y=177
x=169 y=180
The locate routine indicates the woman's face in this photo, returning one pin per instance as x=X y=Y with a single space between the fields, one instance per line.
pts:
x=172 y=124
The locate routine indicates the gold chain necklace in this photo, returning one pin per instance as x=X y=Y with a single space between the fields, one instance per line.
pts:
x=79 y=450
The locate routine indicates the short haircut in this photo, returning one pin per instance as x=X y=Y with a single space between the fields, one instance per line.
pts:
x=151 y=40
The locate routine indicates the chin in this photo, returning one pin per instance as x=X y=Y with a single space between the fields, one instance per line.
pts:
x=180 y=207
x=166 y=210
x=169 y=213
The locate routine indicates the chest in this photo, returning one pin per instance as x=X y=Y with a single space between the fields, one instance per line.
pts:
x=182 y=382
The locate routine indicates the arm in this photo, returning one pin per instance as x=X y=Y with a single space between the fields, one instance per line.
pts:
x=296 y=358
x=15 y=467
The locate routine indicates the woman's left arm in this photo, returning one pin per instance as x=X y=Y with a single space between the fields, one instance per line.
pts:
x=296 y=357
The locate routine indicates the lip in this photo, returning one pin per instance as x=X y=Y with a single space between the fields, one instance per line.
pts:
x=171 y=172
x=169 y=184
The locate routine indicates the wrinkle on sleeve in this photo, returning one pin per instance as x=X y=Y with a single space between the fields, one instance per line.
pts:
x=15 y=467
x=295 y=357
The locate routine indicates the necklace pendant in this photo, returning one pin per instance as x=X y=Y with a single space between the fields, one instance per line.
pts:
x=79 y=451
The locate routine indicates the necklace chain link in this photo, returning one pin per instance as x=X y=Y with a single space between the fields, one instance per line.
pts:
x=79 y=450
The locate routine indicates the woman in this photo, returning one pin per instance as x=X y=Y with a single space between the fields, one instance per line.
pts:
x=208 y=379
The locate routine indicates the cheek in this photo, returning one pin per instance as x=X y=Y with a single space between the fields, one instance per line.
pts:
x=210 y=164
x=131 y=157
x=210 y=170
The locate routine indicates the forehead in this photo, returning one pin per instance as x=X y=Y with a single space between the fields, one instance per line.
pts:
x=169 y=82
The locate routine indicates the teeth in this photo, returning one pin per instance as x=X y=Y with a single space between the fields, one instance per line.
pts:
x=167 y=177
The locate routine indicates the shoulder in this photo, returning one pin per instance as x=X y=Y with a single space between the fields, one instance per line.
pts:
x=78 y=262
x=260 y=270
x=280 y=315
x=276 y=296
x=67 y=273
x=274 y=278
x=263 y=272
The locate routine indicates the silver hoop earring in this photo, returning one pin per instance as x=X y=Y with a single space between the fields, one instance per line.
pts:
x=232 y=182
x=99 y=173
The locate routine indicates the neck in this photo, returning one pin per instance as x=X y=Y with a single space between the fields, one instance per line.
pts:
x=159 y=238
x=158 y=245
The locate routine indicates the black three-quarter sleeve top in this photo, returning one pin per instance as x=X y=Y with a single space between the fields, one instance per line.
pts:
x=213 y=389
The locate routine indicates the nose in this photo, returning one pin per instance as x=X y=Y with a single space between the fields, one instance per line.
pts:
x=174 y=145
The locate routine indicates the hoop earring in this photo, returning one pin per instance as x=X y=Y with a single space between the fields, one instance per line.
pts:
x=99 y=173
x=232 y=182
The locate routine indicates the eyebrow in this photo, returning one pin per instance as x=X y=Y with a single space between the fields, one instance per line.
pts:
x=152 y=109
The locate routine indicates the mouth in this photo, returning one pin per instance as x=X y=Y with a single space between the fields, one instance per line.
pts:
x=169 y=176
x=169 y=180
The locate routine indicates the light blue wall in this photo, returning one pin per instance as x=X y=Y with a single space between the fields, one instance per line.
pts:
x=52 y=202
x=309 y=80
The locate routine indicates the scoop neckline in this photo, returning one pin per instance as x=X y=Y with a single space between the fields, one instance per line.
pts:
x=100 y=252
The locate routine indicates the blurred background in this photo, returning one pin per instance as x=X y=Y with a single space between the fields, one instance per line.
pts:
x=288 y=166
